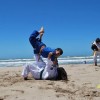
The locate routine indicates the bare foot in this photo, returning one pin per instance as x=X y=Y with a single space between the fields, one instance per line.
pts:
x=41 y=30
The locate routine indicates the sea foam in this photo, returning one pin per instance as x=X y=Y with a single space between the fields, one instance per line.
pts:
x=62 y=60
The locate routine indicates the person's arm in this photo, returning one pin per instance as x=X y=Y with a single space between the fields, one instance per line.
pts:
x=49 y=55
x=55 y=62
x=40 y=52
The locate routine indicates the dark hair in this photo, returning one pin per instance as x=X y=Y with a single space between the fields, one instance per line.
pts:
x=97 y=40
x=94 y=47
x=62 y=75
x=61 y=51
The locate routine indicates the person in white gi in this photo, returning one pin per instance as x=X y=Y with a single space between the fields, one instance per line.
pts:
x=40 y=69
x=96 y=50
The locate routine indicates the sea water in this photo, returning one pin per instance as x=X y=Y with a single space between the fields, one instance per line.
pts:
x=61 y=60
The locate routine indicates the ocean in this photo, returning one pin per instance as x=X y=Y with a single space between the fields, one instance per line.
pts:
x=62 y=60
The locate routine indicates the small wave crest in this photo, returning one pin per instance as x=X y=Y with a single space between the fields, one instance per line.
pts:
x=62 y=60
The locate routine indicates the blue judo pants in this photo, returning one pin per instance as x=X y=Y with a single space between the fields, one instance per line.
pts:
x=35 y=42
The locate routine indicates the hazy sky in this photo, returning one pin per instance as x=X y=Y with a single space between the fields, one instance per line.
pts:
x=69 y=24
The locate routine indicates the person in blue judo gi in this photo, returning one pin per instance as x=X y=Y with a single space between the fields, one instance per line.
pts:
x=41 y=49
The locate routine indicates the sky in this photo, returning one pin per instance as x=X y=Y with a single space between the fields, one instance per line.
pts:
x=69 y=24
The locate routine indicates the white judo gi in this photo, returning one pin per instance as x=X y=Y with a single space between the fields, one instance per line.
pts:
x=96 y=53
x=40 y=69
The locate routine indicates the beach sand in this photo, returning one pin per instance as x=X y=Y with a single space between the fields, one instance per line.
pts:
x=82 y=84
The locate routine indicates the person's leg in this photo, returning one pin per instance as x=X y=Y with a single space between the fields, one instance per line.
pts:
x=99 y=56
x=95 y=58
x=36 y=56
x=36 y=42
x=25 y=72
x=33 y=39
x=39 y=61
x=33 y=36
x=35 y=71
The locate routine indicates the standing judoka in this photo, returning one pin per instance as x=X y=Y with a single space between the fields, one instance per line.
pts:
x=96 y=50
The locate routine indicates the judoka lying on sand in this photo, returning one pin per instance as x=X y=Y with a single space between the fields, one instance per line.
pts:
x=43 y=71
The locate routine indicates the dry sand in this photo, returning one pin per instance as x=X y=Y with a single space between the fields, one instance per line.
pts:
x=83 y=79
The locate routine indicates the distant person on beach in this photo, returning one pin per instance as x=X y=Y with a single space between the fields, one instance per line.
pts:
x=96 y=50
x=84 y=62
x=44 y=71
x=41 y=49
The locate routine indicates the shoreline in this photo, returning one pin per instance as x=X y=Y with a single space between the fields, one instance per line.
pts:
x=82 y=84
x=62 y=60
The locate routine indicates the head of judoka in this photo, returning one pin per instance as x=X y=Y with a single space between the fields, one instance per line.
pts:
x=98 y=40
x=58 y=52
x=62 y=74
